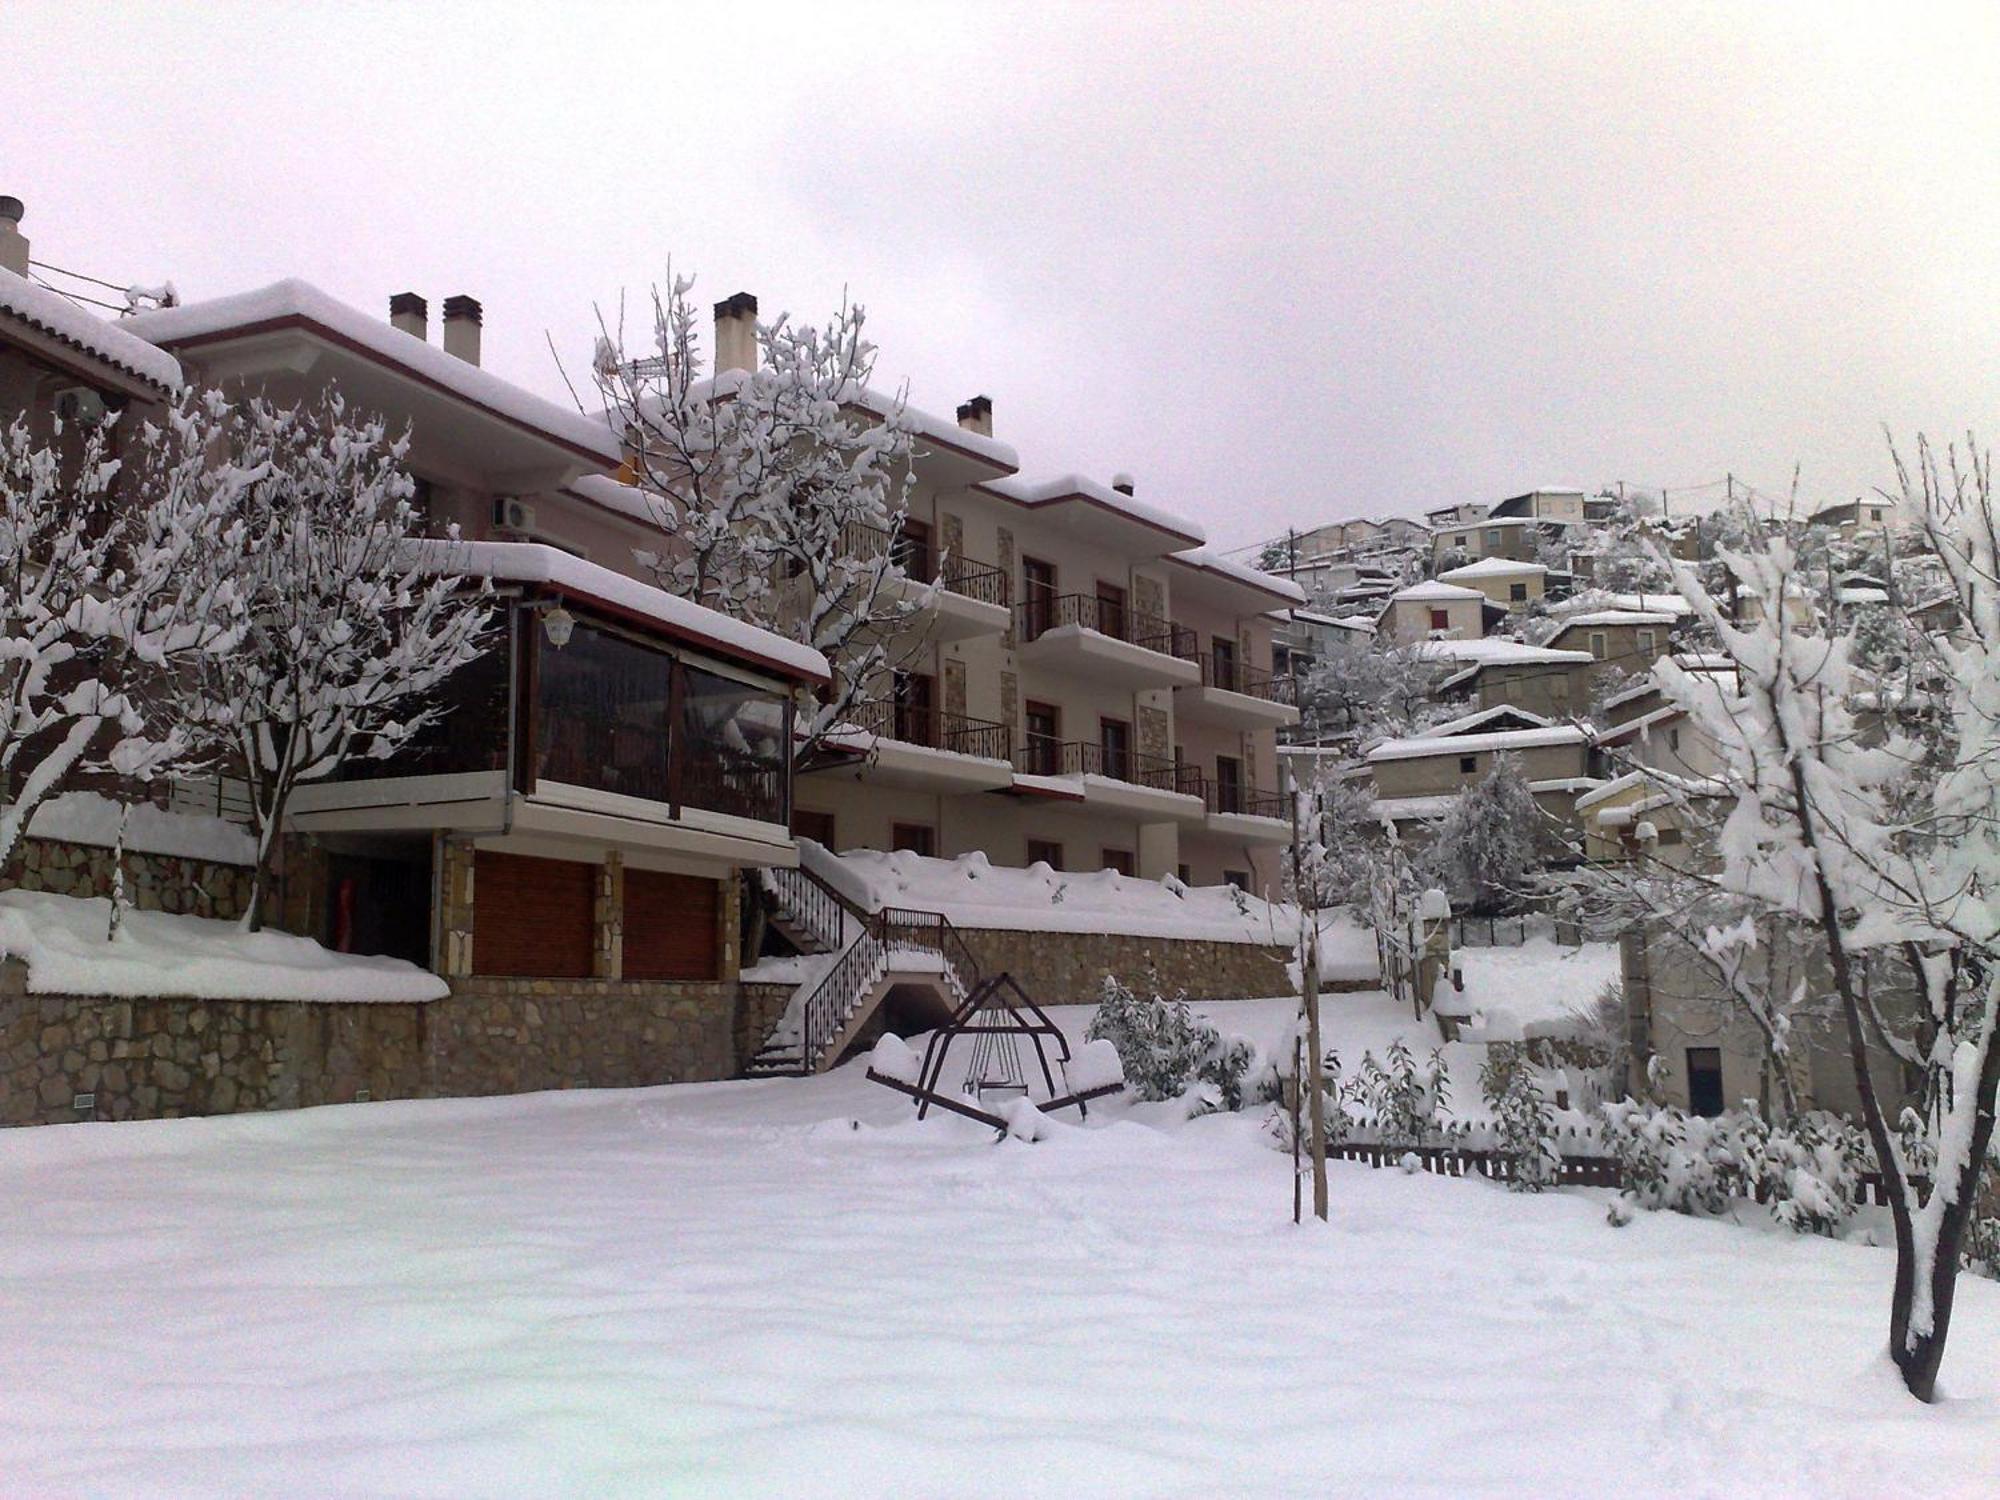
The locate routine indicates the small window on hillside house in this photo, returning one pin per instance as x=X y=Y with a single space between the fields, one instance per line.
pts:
x=1467 y=764
x=1440 y=619
x=1599 y=647
x=1645 y=638
x=1492 y=536
x=1674 y=738
x=1238 y=878
x=1184 y=874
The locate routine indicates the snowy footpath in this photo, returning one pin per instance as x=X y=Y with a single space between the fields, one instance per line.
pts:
x=792 y=1288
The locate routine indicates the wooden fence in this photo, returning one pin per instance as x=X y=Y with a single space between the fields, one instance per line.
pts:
x=1577 y=1171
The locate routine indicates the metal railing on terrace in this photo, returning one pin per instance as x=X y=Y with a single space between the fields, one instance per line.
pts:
x=1042 y=756
x=1121 y=622
x=920 y=560
x=1244 y=801
x=1239 y=677
x=935 y=729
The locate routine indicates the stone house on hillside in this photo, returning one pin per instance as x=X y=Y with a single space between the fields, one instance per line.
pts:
x=1433 y=610
x=1514 y=586
x=1415 y=778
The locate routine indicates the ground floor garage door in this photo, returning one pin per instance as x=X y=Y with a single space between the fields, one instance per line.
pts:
x=670 y=926
x=532 y=918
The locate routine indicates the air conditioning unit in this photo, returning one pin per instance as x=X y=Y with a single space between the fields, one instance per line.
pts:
x=80 y=406
x=510 y=514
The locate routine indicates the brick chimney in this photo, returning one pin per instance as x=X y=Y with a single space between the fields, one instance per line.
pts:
x=976 y=415
x=13 y=243
x=736 y=333
x=461 y=328
x=411 y=314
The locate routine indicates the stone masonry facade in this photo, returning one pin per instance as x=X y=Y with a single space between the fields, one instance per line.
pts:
x=163 y=1058
x=153 y=882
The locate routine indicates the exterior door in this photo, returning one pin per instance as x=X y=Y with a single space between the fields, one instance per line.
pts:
x=1044 y=730
x=1114 y=743
x=1228 y=784
x=1223 y=654
x=915 y=722
x=1112 y=617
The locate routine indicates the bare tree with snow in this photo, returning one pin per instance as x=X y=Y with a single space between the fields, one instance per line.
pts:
x=782 y=489
x=97 y=601
x=344 y=630
x=1870 y=839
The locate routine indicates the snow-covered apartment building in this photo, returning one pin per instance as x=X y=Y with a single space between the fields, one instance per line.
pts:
x=1086 y=686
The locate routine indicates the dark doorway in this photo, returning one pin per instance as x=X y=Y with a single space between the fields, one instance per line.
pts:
x=380 y=905
x=1704 y=1080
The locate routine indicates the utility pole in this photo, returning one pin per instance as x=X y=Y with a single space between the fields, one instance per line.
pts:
x=1308 y=900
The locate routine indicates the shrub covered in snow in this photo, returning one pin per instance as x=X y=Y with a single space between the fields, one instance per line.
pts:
x=1806 y=1170
x=1524 y=1122
x=1165 y=1048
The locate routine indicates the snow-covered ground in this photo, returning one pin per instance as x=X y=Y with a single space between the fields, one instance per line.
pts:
x=793 y=1288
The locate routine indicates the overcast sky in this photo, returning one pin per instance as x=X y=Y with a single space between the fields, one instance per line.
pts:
x=1284 y=264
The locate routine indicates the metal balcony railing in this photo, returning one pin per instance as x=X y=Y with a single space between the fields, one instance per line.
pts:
x=1233 y=676
x=1046 y=612
x=1235 y=798
x=935 y=729
x=920 y=561
x=1042 y=756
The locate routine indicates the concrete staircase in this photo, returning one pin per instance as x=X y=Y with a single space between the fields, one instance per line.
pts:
x=866 y=955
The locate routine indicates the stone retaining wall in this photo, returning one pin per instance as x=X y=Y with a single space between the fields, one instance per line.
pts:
x=153 y=882
x=163 y=1058
x=1068 y=968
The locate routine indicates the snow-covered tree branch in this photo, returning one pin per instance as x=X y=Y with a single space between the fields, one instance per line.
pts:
x=342 y=630
x=782 y=490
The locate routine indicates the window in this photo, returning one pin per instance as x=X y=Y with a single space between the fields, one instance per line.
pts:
x=1670 y=835
x=601 y=707
x=1238 y=878
x=1559 y=687
x=917 y=838
x=1114 y=744
x=817 y=826
x=734 y=747
x=1459 y=540
x=1492 y=537
x=911 y=550
x=1183 y=874
x=1043 y=723
x=1120 y=860
x=1045 y=852
x=1112 y=617
x=1598 y=647
x=1228 y=784
x=1704 y=1065
x=1467 y=764
x=1674 y=738
x=1440 y=619
x=1038 y=595
x=1223 y=654
x=1281 y=659
x=1517 y=593
x=1645 y=640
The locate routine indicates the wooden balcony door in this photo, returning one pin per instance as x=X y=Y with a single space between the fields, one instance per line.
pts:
x=1038 y=595
x=1223 y=654
x=1228 y=784
x=916 y=722
x=1043 y=722
x=1114 y=744
x=1112 y=616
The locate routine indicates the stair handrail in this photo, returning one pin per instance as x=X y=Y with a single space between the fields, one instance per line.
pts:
x=822 y=1016
x=819 y=903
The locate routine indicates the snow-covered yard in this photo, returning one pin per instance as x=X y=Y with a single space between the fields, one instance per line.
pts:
x=793 y=1288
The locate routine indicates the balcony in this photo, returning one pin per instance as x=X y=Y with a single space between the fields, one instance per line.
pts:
x=1098 y=640
x=1238 y=696
x=1245 y=814
x=926 y=749
x=969 y=598
x=1122 y=781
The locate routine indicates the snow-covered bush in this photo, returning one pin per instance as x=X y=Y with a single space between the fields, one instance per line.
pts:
x=1523 y=1120
x=1405 y=1101
x=1488 y=841
x=1806 y=1171
x=1165 y=1048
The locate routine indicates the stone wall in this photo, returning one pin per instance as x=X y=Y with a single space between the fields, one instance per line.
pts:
x=153 y=882
x=163 y=1058
x=1068 y=968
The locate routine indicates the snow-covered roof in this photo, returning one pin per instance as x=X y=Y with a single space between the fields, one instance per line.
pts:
x=620 y=499
x=1497 y=651
x=1602 y=617
x=1359 y=623
x=1421 y=746
x=1648 y=776
x=1203 y=560
x=61 y=319
x=1861 y=596
x=1434 y=592
x=1470 y=723
x=293 y=300
x=1494 y=567
x=531 y=562
x=1037 y=493
x=1666 y=604
x=944 y=431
